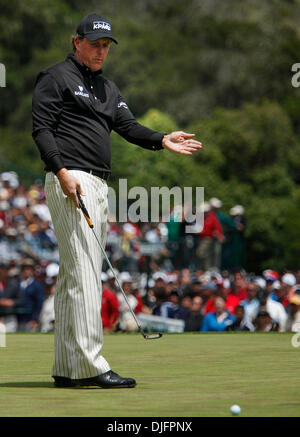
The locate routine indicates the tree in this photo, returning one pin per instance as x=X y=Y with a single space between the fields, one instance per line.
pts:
x=252 y=150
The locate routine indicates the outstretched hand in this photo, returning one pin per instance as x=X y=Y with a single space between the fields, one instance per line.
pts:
x=181 y=142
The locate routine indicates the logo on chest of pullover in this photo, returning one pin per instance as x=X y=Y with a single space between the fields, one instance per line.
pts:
x=80 y=92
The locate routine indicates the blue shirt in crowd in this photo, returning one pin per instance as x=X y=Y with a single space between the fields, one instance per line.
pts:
x=210 y=322
x=32 y=292
x=163 y=310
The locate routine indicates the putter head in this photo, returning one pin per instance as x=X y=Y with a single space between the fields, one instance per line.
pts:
x=152 y=336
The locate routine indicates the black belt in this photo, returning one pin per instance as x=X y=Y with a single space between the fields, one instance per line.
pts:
x=100 y=174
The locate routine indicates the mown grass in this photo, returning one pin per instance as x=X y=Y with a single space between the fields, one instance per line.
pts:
x=179 y=375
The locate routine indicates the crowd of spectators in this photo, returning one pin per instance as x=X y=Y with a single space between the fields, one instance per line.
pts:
x=211 y=301
x=182 y=277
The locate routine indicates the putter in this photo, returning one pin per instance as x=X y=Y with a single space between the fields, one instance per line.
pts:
x=89 y=221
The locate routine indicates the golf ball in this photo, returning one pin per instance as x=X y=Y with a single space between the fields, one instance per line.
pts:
x=235 y=410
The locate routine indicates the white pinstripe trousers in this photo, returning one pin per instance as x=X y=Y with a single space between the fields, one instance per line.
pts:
x=78 y=296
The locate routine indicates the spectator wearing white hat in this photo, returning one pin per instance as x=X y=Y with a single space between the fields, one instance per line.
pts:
x=275 y=309
x=251 y=304
x=47 y=317
x=228 y=226
x=160 y=279
x=277 y=292
x=288 y=282
x=215 y=205
x=52 y=270
x=293 y=320
x=10 y=245
x=20 y=200
x=41 y=210
x=126 y=321
x=10 y=179
x=238 y=241
x=110 y=306
x=111 y=281
x=212 y=230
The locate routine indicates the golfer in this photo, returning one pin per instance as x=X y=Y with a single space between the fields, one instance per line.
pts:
x=74 y=110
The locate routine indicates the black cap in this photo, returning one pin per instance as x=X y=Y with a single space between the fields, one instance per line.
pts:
x=176 y=292
x=4 y=265
x=263 y=313
x=94 y=27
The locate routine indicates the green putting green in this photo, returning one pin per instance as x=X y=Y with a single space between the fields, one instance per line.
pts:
x=178 y=375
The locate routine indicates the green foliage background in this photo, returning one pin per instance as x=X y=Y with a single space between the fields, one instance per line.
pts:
x=219 y=69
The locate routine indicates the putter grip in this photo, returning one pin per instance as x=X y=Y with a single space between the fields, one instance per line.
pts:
x=84 y=210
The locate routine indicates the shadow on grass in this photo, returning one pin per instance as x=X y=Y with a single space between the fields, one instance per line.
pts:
x=28 y=384
x=42 y=384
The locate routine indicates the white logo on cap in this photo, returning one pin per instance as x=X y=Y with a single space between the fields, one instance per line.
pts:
x=101 y=25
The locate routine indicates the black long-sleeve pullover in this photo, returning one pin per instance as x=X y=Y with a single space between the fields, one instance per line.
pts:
x=74 y=111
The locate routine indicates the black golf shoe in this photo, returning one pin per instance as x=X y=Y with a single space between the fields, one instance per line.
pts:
x=108 y=379
x=63 y=382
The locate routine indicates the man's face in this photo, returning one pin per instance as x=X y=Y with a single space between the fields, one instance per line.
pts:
x=239 y=281
x=251 y=290
x=186 y=302
x=239 y=312
x=284 y=290
x=221 y=291
x=263 y=322
x=92 y=53
x=127 y=287
x=197 y=303
x=219 y=304
x=174 y=299
x=27 y=272
x=197 y=288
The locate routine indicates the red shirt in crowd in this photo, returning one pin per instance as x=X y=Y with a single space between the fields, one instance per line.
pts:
x=230 y=304
x=110 y=308
x=285 y=301
x=139 y=307
x=211 y=226
x=241 y=294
